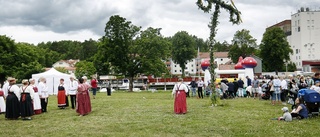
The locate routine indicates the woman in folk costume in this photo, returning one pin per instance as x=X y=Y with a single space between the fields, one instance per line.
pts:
x=43 y=92
x=26 y=106
x=179 y=93
x=88 y=86
x=83 y=104
x=12 y=100
x=2 y=103
x=36 y=98
x=62 y=102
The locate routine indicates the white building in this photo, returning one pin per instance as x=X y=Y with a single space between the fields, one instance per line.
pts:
x=305 y=37
x=193 y=67
x=69 y=65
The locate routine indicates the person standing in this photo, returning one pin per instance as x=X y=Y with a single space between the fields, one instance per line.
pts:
x=73 y=86
x=61 y=95
x=236 y=87
x=248 y=81
x=83 y=103
x=240 y=89
x=87 y=86
x=2 y=102
x=36 y=98
x=180 y=100
x=276 y=94
x=230 y=89
x=26 y=106
x=193 y=85
x=43 y=92
x=284 y=90
x=200 y=87
x=255 y=87
x=5 y=87
x=94 y=85
x=108 y=86
x=12 y=100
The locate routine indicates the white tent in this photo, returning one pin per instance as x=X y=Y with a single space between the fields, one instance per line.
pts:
x=52 y=79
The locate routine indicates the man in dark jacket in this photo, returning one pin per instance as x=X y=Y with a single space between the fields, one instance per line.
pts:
x=230 y=89
x=236 y=86
x=240 y=88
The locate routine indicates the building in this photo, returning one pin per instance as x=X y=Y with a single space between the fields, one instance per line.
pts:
x=69 y=65
x=193 y=67
x=303 y=32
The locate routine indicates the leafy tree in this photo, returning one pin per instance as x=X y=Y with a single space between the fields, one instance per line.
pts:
x=274 y=49
x=221 y=47
x=89 y=48
x=7 y=57
x=183 y=46
x=100 y=59
x=243 y=44
x=131 y=52
x=85 y=68
x=201 y=44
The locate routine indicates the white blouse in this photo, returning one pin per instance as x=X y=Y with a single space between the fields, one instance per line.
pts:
x=27 y=89
x=179 y=86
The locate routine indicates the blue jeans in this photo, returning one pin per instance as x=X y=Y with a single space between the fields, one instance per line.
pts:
x=194 y=91
x=94 y=91
x=276 y=94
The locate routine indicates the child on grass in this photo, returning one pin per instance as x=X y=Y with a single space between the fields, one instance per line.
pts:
x=286 y=115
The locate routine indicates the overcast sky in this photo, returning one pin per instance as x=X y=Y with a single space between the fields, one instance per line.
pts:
x=35 y=21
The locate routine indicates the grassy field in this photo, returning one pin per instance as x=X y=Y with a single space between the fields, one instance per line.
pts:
x=151 y=114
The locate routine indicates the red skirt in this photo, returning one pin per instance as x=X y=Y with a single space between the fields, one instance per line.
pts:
x=180 y=102
x=83 y=103
x=61 y=98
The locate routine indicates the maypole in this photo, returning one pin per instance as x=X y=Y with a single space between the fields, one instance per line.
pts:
x=234 y=19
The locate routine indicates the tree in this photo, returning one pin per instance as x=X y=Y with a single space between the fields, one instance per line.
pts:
x=233 y=11
x=85 y=68
x=183 y=49
x=243 y=44
x=7 y=58
x=131 y=52
x=274 y=49
x=221 y=47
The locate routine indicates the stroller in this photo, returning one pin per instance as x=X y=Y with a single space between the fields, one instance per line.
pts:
x=311 y=99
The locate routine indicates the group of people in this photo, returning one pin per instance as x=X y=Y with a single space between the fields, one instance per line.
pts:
x=30 y=99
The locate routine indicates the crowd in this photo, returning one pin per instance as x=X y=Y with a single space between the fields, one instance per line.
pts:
x=30 y=99
x=279 y=90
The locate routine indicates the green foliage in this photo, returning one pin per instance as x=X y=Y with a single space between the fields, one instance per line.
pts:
x=183 y=49
x=274 y=49
x=7 y=57
x=221 y=47
x=243 y=44
x=131 y=51
x=85 y=68
x=201 y=44
x=61 y=69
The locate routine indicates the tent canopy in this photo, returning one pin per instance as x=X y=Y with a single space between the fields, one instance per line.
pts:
x=52 y=77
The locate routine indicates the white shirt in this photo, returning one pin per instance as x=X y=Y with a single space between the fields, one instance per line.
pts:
x=5 y=88
x=200 y=83
x=284 y=84
x=314 y=87
x=179 y=86
x=27 y=89
x=43 y=90
x=15 y=89
x=73 y=86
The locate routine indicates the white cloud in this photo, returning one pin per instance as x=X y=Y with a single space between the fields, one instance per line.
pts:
x=34 y=21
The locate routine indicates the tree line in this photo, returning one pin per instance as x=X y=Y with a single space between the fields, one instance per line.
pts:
x=129 y=51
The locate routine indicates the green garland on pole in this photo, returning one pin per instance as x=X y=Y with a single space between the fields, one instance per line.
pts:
x=235 y=18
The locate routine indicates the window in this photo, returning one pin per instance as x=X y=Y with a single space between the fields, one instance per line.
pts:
x=221 y=59
x=175 y=65
x=192 y=65
x=175 y=70
x=180 y=70
x=298 y=29
x=191 y=70
x=297 y=51
x=299 y=58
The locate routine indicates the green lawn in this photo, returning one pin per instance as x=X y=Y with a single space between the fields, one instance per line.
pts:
x=151 y=114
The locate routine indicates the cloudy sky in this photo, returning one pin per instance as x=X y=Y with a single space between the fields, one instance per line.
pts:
x=35 y=21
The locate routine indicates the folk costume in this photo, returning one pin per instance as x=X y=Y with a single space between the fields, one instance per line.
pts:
x=2 y=102
x=36 y=100
x=73 y=86
x=62 y=99
x=180 y=102
x=26 y=106
x=83 y=99
x=43 y=92
x=12 y=102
